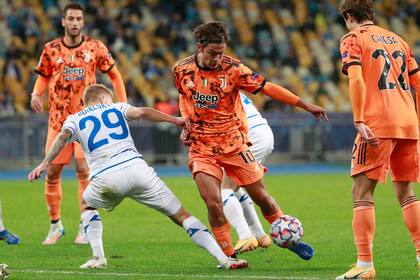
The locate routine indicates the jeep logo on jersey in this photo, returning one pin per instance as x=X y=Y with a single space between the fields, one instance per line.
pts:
x=73 y=73
x=197 y=96
x=80 y=71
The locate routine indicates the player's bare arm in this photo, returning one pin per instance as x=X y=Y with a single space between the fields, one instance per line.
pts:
x=57 y=146
x=315 y=110
x=153 y=115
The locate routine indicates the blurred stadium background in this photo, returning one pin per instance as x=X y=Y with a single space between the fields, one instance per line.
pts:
x=291 y=42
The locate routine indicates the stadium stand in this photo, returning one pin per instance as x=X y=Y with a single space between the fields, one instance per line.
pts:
x=294 y=43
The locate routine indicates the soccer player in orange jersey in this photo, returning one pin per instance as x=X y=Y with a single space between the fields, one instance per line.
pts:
x=209 y=83
x=380 y=67
x=67 y=65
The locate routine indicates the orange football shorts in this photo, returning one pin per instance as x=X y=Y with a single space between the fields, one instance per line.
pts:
x=399 y=155
x=240 y=166
x=64 y=157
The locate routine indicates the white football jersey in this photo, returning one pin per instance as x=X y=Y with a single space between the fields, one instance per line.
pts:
x=254 y=117
x=103 y=132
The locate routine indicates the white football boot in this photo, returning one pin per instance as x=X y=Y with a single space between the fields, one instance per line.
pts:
x=94 y=262
x=54 y=234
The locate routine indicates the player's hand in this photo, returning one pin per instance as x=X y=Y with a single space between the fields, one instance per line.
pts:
x=38 y=171
x=37 y=103
x=317 y=111
x=183 y=123
x=367 y=134
x=185 y=138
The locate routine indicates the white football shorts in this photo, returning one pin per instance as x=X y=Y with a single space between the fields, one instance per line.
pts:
x=262 y=140
x=138 y=182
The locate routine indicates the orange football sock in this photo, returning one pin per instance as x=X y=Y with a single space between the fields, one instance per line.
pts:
x=272 y=218
x=411 y=213
x=53 y=197
x=222 y=235
x=364 y=228
x=83 y=183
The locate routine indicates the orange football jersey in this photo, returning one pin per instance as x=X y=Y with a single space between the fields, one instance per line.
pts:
x=210 y=98
x=387 y=62
x=70 y=70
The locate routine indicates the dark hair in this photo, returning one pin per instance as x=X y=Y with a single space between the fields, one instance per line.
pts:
x=360 y=10
x=72 y=6
x=215 y=32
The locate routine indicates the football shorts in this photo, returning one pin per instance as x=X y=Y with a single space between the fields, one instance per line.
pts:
x=65 y=155
x=400 y=156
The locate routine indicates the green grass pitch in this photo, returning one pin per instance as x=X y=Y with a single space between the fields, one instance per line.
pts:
x=140 y=243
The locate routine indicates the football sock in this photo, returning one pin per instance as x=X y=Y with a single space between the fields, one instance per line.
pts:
x=92 y=225
x=364 y=228
x=364 y=264
x=202 y=237
x=1 y=219
x=272 y=218
x=83 y=183
x=411 y=213
x=53 y=197
x=222 y=235
x=234 y=214
x=250 y=213
x=56 y=225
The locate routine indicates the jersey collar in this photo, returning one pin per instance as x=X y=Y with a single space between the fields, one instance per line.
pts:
x=75 y=46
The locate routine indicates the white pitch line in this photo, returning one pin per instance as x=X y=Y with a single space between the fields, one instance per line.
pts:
x=162 y=275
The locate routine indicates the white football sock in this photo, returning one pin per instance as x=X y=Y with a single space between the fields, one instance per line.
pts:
x=202 y=237
x=56 y=225
x=250 y=214
x=1 y=219
x=364 y=264
x=234 y=214
x=92 y=225
x=418 y=259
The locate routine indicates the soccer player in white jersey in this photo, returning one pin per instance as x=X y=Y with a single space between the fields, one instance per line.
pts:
x=6 y=235
x=117 y=170
x=238 y=207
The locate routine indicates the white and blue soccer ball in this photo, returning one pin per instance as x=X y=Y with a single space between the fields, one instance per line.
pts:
x=286 y=231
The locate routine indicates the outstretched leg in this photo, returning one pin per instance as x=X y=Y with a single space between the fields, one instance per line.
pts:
x=202 y=237
x=272 y=212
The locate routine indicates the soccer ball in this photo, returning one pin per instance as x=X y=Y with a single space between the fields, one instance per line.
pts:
x=286 y=231
x=4 y=272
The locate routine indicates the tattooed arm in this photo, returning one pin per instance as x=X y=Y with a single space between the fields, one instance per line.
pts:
x=55 y=149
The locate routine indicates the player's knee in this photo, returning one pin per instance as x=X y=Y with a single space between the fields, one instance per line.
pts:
x=214 y=206
x=402 y=193
x=82 y=171
x=52 y=176
x=54 y=172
